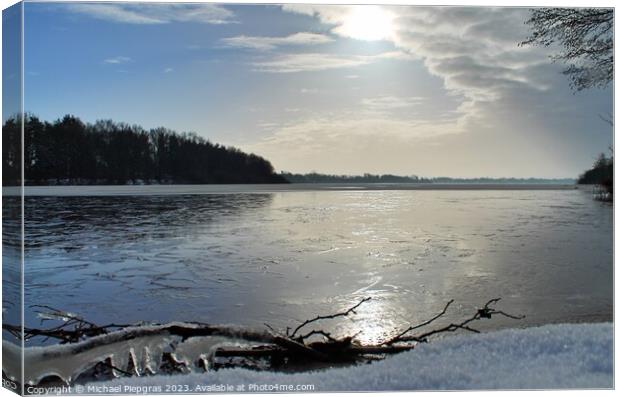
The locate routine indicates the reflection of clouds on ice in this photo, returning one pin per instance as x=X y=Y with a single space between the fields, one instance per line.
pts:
x=549 y=357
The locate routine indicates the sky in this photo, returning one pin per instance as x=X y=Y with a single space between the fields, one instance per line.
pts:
x=428 y=91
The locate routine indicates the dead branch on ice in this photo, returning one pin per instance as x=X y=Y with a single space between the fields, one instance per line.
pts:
x=273 y=349
x=487 y=311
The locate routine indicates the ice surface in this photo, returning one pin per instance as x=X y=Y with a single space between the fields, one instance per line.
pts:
x=548 y=357
x=281 y=258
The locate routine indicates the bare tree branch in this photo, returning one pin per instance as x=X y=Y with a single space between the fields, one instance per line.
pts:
x=77 y=335
x=318 y=318
x=585 y=42
x=397 y=337
x=485 y=312
x=608 y=118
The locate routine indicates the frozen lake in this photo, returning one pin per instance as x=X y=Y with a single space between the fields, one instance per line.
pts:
x=253 y=255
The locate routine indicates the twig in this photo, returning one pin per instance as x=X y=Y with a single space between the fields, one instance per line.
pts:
x=485 y=312
x=318 y=318
x=397 y=337
x=61 y=314
x=327 y=335
x=81 y=327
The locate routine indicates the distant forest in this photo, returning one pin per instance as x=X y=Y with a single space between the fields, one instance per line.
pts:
x=366 y=178
x=370 y=178
x=483 y=180
x=69 y=151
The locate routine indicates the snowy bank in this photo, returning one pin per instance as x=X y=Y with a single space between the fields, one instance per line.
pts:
x=548 y=357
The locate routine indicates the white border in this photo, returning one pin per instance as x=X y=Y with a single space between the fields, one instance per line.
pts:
x=510 y=3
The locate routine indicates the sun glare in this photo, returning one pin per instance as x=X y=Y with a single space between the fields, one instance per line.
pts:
x=368 y=23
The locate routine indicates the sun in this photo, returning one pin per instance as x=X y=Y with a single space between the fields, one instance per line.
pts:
x=366 y=22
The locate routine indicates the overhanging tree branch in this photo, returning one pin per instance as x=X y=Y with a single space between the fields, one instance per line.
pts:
x=584 y=37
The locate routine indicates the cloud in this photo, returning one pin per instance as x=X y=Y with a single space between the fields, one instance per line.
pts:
x=469 y=47
x=347 y=141
x=526 y=134
x=153 y=13
x=113 y=12
x=513 y=103
x=384 y=103
x=307 y=62
x=331 y=15
x=350 y=20
x=472 y=49
x=117 y=60
x=269 y=43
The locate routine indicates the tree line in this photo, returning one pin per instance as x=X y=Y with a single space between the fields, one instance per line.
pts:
x=601 y=173
x=388 y=178
x=314 y=177
x=69 y=151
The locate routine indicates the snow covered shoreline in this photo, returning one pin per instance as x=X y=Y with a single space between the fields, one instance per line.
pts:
x=560 y=356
